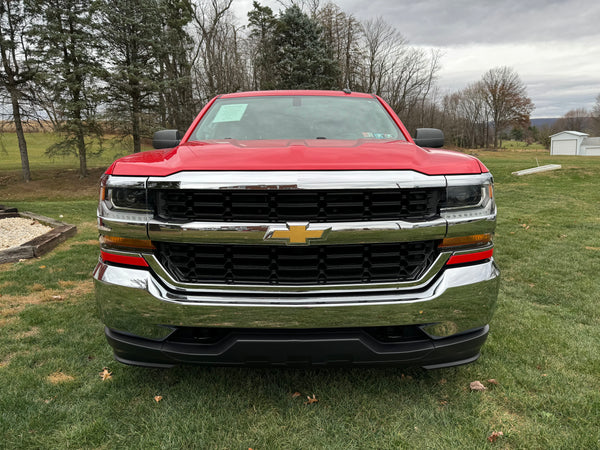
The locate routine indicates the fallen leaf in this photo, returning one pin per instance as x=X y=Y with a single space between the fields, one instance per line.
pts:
x=157 y=398
x=494 y=436
x=105 y=374
x=443 y=381
x=492 y=381
x=593 y=248
x=311 y=400
x=477 y=386
x=42 y=267
x=296 y=394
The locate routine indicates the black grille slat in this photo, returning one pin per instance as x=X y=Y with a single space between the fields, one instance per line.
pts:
x=304 y=205
x=297 y=265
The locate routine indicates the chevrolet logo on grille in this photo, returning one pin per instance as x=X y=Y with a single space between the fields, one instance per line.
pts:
x=296 y=234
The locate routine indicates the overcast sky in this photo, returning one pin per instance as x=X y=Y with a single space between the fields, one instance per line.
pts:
x=553 y=45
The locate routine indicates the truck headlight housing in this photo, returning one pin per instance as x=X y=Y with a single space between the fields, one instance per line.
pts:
x=126 y=198
x=468 y=197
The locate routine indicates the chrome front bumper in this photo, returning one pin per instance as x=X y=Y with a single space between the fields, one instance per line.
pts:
x=136 y=302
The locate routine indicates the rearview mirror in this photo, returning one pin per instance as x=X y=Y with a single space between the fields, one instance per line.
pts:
x=166 y=139
x=429 y=137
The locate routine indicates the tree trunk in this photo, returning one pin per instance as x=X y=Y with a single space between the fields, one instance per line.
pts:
x=82 y=151
x=20 y=136
x=135 y=120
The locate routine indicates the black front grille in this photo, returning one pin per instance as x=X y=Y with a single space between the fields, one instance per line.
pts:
x=297 y=265
x=297 y=205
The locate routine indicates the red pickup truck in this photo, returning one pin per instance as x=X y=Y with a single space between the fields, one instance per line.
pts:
x=297 y=228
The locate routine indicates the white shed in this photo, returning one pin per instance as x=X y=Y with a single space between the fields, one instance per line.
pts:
x=590 y=146
x=567 y=143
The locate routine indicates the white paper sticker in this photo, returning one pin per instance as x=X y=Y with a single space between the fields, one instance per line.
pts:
x=230 y=113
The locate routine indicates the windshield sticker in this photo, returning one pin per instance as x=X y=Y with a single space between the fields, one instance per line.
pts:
x=367 y=135
x=230 y=113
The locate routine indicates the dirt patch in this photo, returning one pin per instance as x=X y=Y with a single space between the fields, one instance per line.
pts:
x=59 y=377
x=6 y=360
x=58 y=184
x=26 y=334
x=11 y=305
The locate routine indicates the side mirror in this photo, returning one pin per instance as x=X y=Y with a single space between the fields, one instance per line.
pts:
x=166 y=139
x=429 y=137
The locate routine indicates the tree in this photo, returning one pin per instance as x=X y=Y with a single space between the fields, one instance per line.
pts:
x=596 y=117
x=17 y=72
x=262 y=24
x=128 y=33
x=68 y=68
x=383 y=46
x=219 y=64
x=303 y=60
x=174 y=48
x=506 y=98
x=342 y=35
x=574 y=120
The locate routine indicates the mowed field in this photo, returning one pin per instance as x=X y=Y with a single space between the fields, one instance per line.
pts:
x=541 y=364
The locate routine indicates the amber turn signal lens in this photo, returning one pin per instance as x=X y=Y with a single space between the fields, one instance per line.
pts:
x=119 y=242
x=474 y=239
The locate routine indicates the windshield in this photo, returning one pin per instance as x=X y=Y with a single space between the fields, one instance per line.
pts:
x=297 y=117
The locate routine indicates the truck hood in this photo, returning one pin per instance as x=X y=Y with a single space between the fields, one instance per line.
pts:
x=315 y=154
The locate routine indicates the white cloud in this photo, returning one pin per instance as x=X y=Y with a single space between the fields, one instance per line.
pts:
x=554 y=45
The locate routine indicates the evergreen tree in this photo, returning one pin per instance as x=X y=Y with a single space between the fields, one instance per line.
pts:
x=174 y=45
x=15 y=73
x=262 y=25
x=68 y=67
x=303 y=60
x=128 y=34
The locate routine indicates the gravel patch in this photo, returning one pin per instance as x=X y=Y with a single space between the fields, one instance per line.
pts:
x=15 y=231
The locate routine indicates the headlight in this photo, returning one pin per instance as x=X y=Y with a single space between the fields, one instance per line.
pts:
x=463 y=196
x=468 y=197
x=126 y=198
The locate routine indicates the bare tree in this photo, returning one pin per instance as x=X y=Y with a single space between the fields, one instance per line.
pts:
x=574 y=120
x=342 y=34
x=219 y=63
x=383 y=47
x=506 y=97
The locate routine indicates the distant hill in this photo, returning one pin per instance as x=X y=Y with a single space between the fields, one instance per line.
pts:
x=543 y=122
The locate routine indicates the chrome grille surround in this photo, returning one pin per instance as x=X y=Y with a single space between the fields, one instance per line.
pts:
x=144 y=225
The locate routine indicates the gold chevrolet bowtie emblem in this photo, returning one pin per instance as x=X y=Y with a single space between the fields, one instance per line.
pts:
x=296 y=234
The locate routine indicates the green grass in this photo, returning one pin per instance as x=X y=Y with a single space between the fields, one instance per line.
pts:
x=520 y=145
x=543 y=351
x=37 y=143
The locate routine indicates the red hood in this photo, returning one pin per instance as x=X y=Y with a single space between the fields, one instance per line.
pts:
x=296 y=155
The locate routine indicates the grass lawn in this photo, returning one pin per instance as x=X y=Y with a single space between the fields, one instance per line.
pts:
x=542 y=351
x=37 y=143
